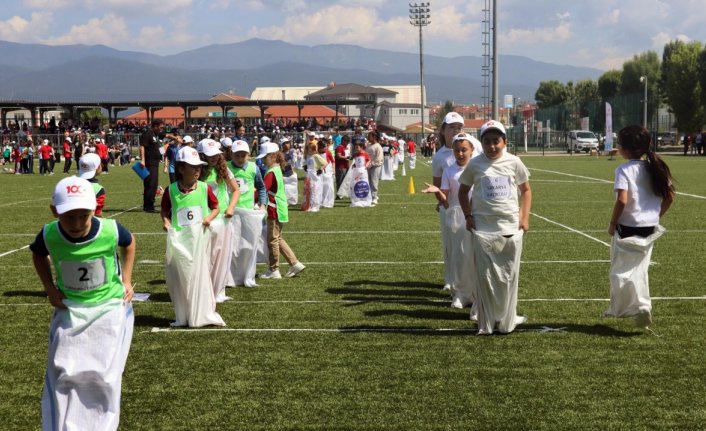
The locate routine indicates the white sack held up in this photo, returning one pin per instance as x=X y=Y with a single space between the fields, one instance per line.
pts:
x=462 y=262
x=221 y=255
x=445 y=241
x=247 y=235
x=291 y=188
x=88 y=344
x=387 y=173
x=188 y=273
x=344 y=188
x=312 y=191
x=498 y=269
x=359 y=187
x=263 y=247
x=412 y=161
x=629 y=283
x=328 y=187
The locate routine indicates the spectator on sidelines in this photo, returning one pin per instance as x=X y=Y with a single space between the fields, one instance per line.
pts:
x=67 y=152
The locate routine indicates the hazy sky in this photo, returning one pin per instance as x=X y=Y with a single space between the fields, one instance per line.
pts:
x=597 y=33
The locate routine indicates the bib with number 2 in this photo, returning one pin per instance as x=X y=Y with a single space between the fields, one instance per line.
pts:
x=86 y=275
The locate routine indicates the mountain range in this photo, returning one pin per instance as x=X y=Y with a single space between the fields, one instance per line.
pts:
x=82 y=73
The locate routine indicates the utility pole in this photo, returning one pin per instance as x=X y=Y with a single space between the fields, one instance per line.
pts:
x=419 y=16
x=495 y=60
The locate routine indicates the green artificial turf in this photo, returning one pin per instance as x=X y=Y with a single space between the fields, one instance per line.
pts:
x=364 y=338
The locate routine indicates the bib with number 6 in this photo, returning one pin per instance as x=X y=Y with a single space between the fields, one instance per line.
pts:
x=189 y=215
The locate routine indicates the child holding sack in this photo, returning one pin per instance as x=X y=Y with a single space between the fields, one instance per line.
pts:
x=644 y=193
x=498 y=218
x=277 y=213
x=461 y=257
x=188 y=208
x=91 y=329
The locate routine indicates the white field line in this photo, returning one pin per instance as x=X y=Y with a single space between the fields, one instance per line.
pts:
x=24 y=202
x=567 y=182
x=605 y=181
x=371 y=301
x=572 y=230
x=27 y=246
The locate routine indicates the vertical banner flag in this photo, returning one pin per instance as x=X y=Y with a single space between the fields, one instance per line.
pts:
x=608 y=127
x=509 y=101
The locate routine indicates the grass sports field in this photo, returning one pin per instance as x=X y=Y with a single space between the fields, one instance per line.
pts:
x=364 y=339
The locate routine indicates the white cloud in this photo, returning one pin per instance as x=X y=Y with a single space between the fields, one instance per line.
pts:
x=18 y=29
x=533 y=36
x=49 y=4
x=109 y=30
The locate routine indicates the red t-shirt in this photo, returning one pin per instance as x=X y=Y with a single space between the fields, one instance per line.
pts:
x=341 y=163
x=102 y=150
x=67 y=150
x=411 y=147
x=45 y=151
x=271 y=186
x=365 y=155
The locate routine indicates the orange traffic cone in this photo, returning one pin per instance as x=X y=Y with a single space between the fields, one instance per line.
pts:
x=410 y=187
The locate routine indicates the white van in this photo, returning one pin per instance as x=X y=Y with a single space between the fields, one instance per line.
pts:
x=582 y=140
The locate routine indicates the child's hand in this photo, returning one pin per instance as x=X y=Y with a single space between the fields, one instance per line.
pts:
x=430 y=188
x=524 y=225
x=611 y=229
x=56 y=298
x=470 y=223
x=229 y=213
x=167 y=225
x=129 y=291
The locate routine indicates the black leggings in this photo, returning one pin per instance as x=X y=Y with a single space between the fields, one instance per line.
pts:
x=628 y=231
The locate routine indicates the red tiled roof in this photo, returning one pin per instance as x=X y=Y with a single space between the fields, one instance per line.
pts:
x=170 y=114
x=308 y=111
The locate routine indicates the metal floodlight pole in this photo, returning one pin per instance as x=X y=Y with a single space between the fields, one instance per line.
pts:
x=419 y=16
x=644 y=103
x=495 y=60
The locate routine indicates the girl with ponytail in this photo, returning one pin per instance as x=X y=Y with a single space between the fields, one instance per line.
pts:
x=644 y=192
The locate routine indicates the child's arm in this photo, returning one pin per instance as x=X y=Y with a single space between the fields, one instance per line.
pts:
x=234 y=197
x=128 y=254
x=463 y=190
x=525 y=205
x=43 y=268
x=666 y=203
x=441 y=194
x=621 y=201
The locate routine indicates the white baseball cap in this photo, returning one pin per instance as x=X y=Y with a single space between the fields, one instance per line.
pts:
x=187 y=139
x=46 y=141
x=67 y=139
x=463 y=137
x=88 y=165
x=264 y=140
x=202 y=144
x=226 y=142
x=453 y=117
x=239 y=146
x=211 y=148
x=73 y=193
x=284 y=139
x=267 y=148
x=190 y=156
x=492 y=125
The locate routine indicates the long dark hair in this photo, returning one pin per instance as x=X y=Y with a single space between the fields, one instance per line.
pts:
x=221 y=168
x=636 y=141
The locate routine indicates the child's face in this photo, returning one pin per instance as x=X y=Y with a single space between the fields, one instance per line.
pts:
x=463 y=150
x=270 y=159
x=239 y=158
x=213 y=160
x=493 y=144
x=189 y=173
x=76 y=223
x=451 y=130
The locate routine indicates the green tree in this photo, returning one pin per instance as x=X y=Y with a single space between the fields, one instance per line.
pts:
x=94 y=116
x=447 y=107
x=551 y=93
x=682 y=74
x=645 y=64
x=609 y=84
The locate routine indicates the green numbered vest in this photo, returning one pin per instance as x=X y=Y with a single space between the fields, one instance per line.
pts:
x=87 y=272
x=188 y=209
x=246 y=181
x=96 y=187
x=218 y=189
x=280 y=196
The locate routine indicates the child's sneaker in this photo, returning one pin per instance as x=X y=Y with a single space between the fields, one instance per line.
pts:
x=295 y=269
x=275 y=275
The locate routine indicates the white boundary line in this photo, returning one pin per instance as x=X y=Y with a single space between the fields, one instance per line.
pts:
x=371 y=301
x=604 y=181
x=572 y=229
x=23 y=202
x=27 y=246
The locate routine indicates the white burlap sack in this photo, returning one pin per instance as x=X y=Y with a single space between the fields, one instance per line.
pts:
x=387 y=173
x=344 y=188
x=629 y=281
x=412 y=161
x=88 y=348
x=328 y=188
x=445 y=241
x=313 y=189
x=461 y=257
x=247 y=235
x=291 y=188
x=498 y=269
x=359 y=188
x=188 y=273
x=221 y=255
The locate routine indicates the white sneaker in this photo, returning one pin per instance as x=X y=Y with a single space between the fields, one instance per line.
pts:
x=447 y=287
x=456 y=303
x=250 y=284
x=295 y=269
x=270 y=274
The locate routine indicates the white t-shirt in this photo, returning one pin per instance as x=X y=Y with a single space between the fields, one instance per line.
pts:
x=495 y=202
x=643 y=204
x=443 y=158
x=449 y=181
